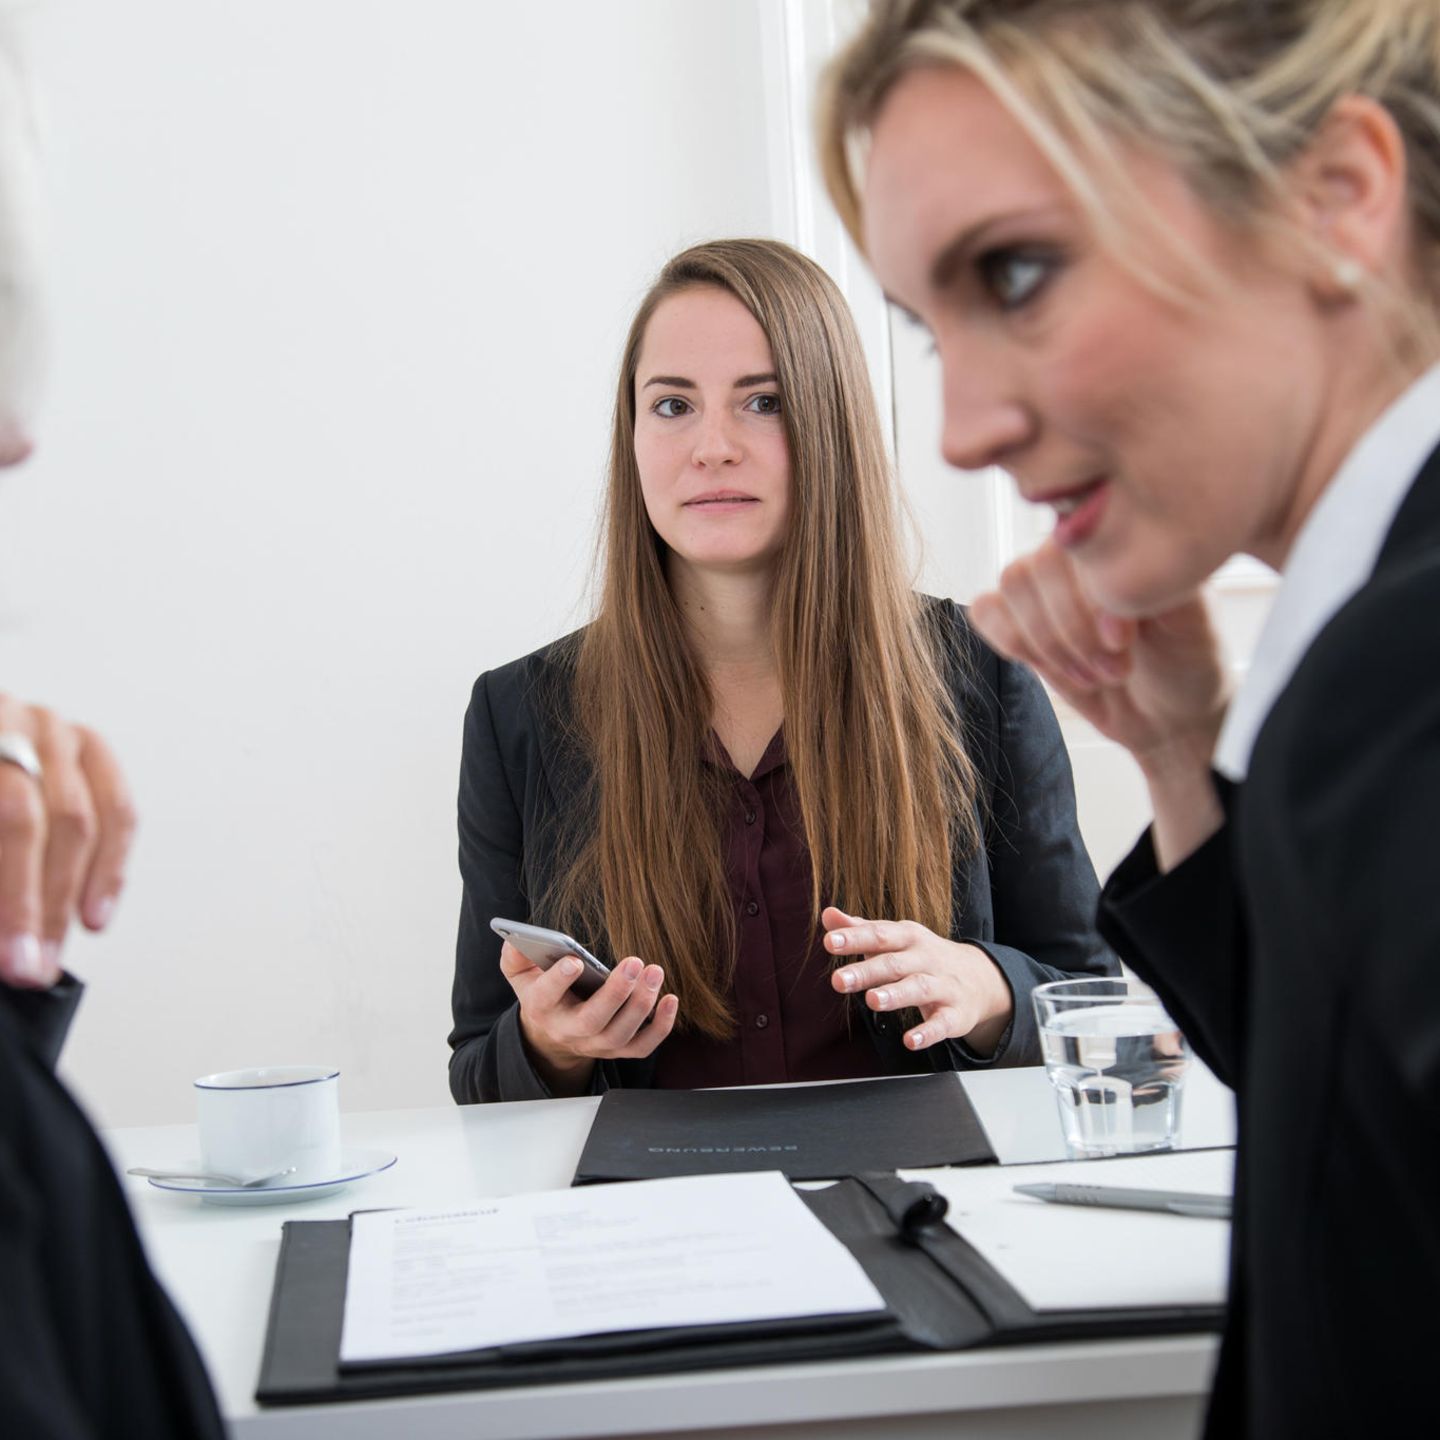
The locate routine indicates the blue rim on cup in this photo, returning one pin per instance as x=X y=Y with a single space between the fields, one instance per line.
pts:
x=267 y=1077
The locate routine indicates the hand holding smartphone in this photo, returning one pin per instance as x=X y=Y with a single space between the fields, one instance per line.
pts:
x=543 y=948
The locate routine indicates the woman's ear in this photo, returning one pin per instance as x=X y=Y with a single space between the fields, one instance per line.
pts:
x=1350 y=189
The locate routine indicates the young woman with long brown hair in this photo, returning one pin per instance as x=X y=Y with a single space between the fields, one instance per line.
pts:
x=762 y=723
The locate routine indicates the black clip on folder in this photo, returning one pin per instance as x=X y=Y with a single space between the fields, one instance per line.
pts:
x=939 y=1292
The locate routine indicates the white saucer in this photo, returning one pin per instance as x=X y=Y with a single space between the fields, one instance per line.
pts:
x=354 y=1165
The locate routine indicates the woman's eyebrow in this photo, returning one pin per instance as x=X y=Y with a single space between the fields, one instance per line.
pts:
x=951 y=260
x=679 y=382
x=954 y=257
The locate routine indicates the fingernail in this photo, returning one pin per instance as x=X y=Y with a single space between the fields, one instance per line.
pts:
x=653 y=976
x=21 y=959
x=882 y=998
x=50 y=954
x=847 y=979
x=1112 y=630
x=916 y=1039
x=570 y=966
x=632 y=968
x=837 y=940
x=98 y=915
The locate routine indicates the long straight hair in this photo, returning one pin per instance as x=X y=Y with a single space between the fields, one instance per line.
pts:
x=885 y=788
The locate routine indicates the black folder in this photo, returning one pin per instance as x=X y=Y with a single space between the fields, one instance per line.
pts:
x=809 y=1132
x=940 y=1294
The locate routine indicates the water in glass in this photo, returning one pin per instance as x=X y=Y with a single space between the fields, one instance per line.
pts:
x=1117 y=1070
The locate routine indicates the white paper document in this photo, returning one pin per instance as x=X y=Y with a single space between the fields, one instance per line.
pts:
x=701 y=1250
x=1079 y=1257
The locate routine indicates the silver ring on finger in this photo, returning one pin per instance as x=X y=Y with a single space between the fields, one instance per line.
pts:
x=17 y=749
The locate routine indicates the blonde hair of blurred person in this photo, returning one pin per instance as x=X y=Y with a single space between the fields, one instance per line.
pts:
x=1230 y=94
x=20 y=256
x=65 y=831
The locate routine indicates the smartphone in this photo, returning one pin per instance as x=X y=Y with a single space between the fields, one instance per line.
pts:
x=544 y=947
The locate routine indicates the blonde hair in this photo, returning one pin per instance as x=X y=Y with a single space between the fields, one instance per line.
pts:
x=1229 y=91
x=885 y=788
x=21 y=234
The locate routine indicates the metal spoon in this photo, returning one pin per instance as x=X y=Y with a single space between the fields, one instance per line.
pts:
x=237 y=1181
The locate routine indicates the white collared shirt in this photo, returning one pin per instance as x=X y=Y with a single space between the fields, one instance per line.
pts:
x=1333 y=556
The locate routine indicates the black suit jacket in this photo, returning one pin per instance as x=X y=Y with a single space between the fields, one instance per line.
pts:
x=1027 y=899
x=90 y=1345
x=1300 y=950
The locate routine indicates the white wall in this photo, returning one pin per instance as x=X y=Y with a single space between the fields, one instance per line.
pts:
x=339 y=287
x=339 y=290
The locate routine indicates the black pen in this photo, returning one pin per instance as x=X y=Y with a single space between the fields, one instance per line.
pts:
x=1116 y=1197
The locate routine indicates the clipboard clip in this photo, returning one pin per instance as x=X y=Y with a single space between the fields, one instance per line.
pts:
x=915 y=1207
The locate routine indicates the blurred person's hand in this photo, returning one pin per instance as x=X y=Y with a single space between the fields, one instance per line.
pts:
x=65 y=837
x=1156 y=685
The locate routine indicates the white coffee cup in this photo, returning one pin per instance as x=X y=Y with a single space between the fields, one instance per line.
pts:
x=270 y=1119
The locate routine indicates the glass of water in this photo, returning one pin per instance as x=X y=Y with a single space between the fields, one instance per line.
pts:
x=1117 y=1062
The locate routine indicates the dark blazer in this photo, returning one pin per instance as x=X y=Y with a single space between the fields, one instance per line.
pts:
x=1299 y=948
x=1033 y=886
x=90 y=1345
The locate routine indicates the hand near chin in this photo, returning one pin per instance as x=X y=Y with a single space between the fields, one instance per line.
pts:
x=1156 y=685
x=958 y=989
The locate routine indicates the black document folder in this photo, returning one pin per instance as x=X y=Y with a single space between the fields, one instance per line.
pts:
x=939 y=1292
x=810 y=1132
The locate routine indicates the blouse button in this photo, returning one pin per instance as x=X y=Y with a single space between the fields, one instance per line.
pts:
x=761 y=1021
x=752 y=908
x=749 y=817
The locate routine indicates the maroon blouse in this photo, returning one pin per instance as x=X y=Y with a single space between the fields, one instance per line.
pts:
x=789 y=1023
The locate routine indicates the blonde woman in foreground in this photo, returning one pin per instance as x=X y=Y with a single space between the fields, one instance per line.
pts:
x=762 y=724
x=1181 y=262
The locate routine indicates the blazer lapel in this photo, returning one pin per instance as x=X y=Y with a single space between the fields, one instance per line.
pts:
x=1415 y=530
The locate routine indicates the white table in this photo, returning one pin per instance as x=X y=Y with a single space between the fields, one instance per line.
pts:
x=218 y=1264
